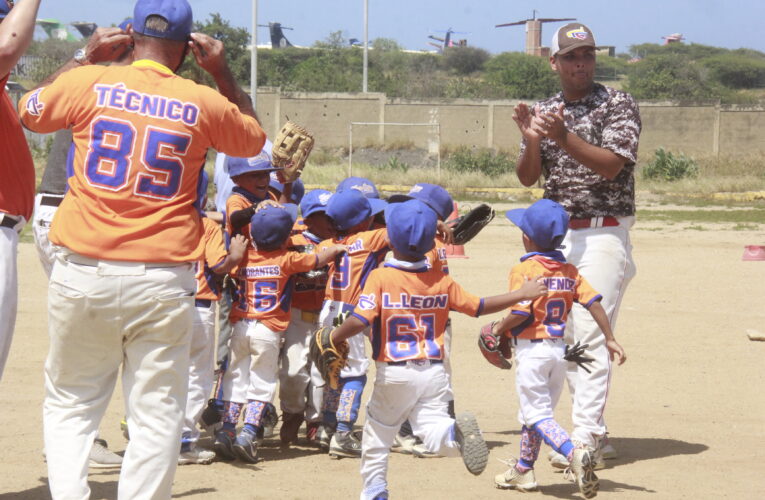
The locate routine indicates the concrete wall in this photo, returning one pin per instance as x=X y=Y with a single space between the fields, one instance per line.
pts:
x=690 y=129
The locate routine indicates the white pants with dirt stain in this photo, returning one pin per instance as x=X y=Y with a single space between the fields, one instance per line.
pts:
x=417 y=391
x=104 y=315
x=603 y=256
x=253 y=369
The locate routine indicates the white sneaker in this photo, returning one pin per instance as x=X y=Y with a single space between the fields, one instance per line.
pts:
x=557 y=460
x=102 y=458
x=419 y=450
x=403 y=444
x=582 y=468
x=513 y=479
x=607 y=451
x=198 y=456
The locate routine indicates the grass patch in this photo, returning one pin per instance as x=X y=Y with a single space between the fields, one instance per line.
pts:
x=739 y=217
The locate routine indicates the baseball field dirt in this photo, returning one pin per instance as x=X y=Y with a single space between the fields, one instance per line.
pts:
x=686 y=411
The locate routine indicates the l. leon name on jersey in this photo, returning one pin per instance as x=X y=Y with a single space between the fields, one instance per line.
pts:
x=406 y=301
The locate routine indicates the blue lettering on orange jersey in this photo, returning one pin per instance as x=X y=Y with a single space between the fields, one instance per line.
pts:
x=546 y=316
x=408 y=311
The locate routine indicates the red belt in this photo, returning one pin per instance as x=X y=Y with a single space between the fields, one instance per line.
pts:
x=607 y=221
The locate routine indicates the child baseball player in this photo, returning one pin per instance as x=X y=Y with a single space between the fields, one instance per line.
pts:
x=407 y=304
x=440 y=201
x=352 y=215
x=537 y=328
x=297 y=398
x=215 y=262
x=251 y=177
x=260 y=317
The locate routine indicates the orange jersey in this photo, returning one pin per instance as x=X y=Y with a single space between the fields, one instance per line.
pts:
x=141 y=135
x=241 y=199
x=408 y=311
x=546 y=315
x=309 y=291
x=266 y=284
x=214 y=255
x=17 y=170
x=437 y=257
x=348 y=272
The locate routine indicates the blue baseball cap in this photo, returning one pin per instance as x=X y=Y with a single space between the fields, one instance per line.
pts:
x=258 y=163
x=432 y=195
x=177 y=13
x=124 y=24
x=411 y=228
x=271 y=225
x=365 y=186
x=5 y=8
x=545 y=223
x=350 y=207
x=298 y=188
x=315 y=201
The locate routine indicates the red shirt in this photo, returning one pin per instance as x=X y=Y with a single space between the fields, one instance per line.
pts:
x=17 y=170
x=309 y=292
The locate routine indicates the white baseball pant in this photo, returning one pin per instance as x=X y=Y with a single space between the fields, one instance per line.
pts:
x=103 y=315
x=201 y=368
x=357 y=363
x=540 y=371
x=41 y=221
x=603 y=256
x=294 y=372
x=9 y=286
x=253 y=369
x=417 y=391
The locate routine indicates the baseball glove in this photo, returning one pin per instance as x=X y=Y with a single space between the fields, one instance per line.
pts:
x=496 y=349
x=575 y=354
x=328 y=357
x=291 y=148
x=467 y=226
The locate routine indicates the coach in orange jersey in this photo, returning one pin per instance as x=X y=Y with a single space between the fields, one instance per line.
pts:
x=122 y=286
x=17 y=171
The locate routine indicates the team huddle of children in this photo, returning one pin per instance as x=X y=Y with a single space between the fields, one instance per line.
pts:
x=364 y=265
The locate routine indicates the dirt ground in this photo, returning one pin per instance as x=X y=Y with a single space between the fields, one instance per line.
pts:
x=686 y=411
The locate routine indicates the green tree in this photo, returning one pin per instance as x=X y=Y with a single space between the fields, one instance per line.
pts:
x=672 y=77
x=736 y=71
x=48 y=56
x=521 y=76
x=464 y=60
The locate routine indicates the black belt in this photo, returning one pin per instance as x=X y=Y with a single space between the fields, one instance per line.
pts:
x=51 y=200
x=417 y=362
x=203 y=303
x=9 y=222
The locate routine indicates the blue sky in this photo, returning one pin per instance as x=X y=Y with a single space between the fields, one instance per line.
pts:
x=722 y=23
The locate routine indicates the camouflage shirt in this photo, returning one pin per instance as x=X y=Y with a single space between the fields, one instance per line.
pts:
x=606 y=118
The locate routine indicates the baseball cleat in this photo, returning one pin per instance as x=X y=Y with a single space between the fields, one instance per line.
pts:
x=344 y=445
x=513 y=479
x=475 y=453
x=419 y=450
x=246 y=446
x=607 y=451
x=557 y=460
x=582 y=468
x=324 y=437
x=102 y=458
x=224 y=444
x=196 y=456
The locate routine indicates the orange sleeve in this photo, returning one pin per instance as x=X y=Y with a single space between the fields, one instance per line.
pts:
x=215 y=249
x=461 y=300
x=297 y=262
x=369 y=305
x=51 y=108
